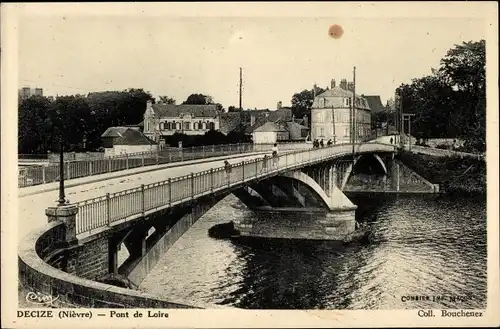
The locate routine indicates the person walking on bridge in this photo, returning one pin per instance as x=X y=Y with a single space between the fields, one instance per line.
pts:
x=275 y=154
x=227 y=167
x=264 y=163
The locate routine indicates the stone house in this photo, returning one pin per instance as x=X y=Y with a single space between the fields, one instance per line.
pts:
x=162 y=120
x=330 y=114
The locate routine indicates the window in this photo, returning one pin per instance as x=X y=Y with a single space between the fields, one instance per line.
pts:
x=321 y=102
x=204 y=125
x=169 y=126
x=322 y=132
x=187 y=126
x=177 y=126
x=346 y=132
x=162 y=126
x=195 y=126
x=211 y=126
x=319 y=117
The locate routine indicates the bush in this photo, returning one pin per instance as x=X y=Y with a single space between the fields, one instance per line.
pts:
x=443 y=146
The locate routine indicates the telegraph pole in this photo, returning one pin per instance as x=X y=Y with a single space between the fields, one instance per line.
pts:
x=241 y=82
x=353 y=111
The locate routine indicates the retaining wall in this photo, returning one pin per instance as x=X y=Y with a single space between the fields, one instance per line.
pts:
x=71 y=291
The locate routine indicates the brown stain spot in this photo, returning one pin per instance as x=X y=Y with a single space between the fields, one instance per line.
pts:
x=336 y=31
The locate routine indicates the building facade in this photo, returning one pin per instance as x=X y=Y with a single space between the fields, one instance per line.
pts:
x=167 y=119
x=126 y=140
x=270 y=132
x=27 y=92
x=330 y=114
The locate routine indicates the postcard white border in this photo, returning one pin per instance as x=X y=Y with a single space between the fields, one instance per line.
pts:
x=242 y=318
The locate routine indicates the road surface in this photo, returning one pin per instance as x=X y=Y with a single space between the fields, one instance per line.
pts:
x=35 y=199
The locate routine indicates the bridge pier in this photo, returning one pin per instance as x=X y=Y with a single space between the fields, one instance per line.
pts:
x=323 y=213
x=299 y=223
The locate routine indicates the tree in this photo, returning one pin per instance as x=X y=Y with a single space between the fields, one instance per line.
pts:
x=115 y=108
x=33 y=126
x=198 y=99
x=302 y=102
x=451 y=102
x=70 y=118
x=166 y=100
x=233 y=109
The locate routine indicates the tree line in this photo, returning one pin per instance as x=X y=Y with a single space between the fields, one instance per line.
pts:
x=77 y=122
x=450 y=102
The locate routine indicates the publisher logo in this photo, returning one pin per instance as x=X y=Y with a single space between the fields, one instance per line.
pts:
x=40 y=298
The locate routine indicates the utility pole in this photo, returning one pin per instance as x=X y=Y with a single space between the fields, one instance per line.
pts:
x=401 y=116
x=407 y=116
x=241 y=82
x=333 y=120
x=353 y=112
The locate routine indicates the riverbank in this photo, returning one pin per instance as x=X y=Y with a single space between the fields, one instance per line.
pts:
x=454 y=174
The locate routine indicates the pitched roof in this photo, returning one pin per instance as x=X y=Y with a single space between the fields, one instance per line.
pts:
x=375 y=103
x=134 y=137
x=171 y=110
x=229 y=121
x=115 y=132
x=336 y=92
x=295 y=130
x=282 y=115
x=271 y=126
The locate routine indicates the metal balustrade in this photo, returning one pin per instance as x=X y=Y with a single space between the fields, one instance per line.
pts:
x=129 y=204
x=82 y=168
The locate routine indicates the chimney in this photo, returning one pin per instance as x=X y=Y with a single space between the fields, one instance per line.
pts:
x=350 y=86
x=279 y=105
x=149 y=104
x=332 y=84
x=343 y=84
x=314 y=90
x=306 y=121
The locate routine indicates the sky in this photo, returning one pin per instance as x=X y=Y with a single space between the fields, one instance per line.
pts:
x=177 y=56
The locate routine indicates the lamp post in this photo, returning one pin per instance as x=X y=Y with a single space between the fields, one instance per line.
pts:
x=62 y=197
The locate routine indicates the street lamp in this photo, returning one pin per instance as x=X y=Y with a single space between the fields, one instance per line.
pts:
x=62 y=197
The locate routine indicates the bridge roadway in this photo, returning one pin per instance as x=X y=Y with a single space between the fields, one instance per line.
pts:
x=35 y=199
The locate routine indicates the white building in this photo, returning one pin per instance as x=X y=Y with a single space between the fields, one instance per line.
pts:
x=168 y=119
x=330 y=114
x=126 y=140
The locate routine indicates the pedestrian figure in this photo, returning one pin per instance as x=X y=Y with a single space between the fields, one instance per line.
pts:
x=264 y=163
x=227 y=167
x=329 y=142
x=275 y=154
x=321 y=143
x=391 y=140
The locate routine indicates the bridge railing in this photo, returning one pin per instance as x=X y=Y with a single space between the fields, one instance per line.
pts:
x=132 y=203
x=83 y=168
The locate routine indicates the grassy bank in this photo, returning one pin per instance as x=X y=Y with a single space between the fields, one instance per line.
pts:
x=454 y=174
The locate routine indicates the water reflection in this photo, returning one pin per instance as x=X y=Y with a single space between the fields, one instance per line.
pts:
x=423 y=245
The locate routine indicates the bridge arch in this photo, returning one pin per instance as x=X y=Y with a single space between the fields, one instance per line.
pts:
x=356 y=160
x=311 y=183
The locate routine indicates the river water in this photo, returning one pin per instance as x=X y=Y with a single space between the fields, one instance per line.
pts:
x=431 y=246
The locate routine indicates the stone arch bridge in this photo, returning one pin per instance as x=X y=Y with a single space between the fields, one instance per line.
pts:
x=299 y=195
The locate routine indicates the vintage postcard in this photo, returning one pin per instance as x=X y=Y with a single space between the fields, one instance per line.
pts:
x=221 y=165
